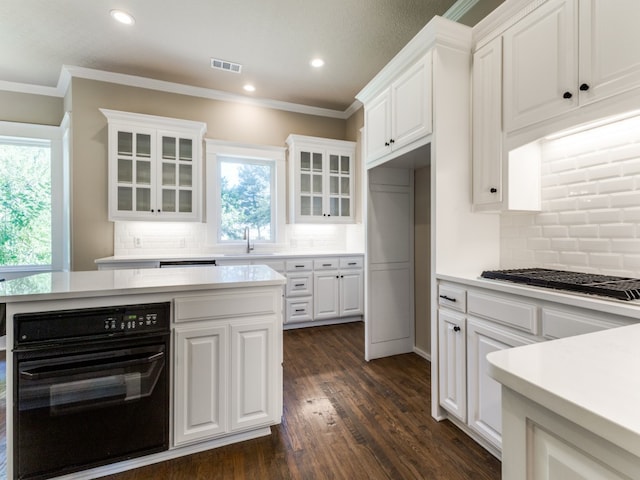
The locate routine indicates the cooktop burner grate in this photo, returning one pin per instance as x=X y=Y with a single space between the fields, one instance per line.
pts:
x=621 y=288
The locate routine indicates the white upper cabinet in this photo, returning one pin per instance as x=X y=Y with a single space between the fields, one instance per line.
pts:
x=401 y=114
x=487 y=124
x=566 y=54
x=322 y=179
x=154 y=167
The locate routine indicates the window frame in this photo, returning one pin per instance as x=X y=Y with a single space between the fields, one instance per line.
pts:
x=217 y=150
x=58 y=138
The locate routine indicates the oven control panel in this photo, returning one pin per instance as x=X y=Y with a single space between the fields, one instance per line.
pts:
x=93 y=322
x=132 y=321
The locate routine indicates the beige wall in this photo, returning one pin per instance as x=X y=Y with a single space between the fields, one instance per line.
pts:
x=92 y=233
x=422 y=257
x=26 y=108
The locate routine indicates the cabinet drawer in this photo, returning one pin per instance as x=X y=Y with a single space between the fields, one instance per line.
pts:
x=452 y=297
x=299 y=284
x=326 y=264
x=299 y=310
x=303 y=264
x=226 y=305
x=520 y=315
x=351 y=262
x=560 y=324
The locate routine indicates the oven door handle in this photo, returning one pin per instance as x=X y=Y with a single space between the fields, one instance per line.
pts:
x=34 y=374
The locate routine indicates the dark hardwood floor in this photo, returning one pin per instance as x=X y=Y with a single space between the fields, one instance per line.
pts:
x=343 y=418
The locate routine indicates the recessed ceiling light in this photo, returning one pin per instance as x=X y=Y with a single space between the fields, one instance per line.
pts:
x=123 y=17
x=249 y=88
x=317 y=62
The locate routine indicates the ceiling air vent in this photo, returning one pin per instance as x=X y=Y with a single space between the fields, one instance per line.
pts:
x=226 y=66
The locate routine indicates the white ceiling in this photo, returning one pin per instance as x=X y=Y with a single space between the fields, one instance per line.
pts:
x=174 y=41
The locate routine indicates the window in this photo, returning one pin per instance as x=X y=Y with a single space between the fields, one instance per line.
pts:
x=33 y=209
x=245 y=189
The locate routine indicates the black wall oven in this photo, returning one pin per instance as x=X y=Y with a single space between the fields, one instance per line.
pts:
x=92 y=387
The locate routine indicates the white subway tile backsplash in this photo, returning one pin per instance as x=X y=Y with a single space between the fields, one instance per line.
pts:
x=618 y=230
x=590 y=218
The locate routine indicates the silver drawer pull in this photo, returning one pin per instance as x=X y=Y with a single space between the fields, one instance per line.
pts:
x=352 y=263
x=299 y=309
x=326 y=264
x=299 y=285
x=448 y=298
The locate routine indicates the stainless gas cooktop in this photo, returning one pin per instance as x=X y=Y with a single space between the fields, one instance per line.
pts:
x=621 y=288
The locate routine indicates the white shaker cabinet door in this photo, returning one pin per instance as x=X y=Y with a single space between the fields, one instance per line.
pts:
x=326 y=295
x=609 y=53
x=378 y=126
x=411 y=104
x=487 y=124
x=200 y=383
x=351 y=293
x=540 y=65
x=484 y=394
x=253 y=367
x=452 y=363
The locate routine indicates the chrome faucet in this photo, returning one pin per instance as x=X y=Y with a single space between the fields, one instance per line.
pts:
x=246 y=237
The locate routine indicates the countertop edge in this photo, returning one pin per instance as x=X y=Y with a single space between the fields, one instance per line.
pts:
x=613 y=431
x=629 y=309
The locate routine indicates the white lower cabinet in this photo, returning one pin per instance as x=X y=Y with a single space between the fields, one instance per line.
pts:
x=338 y=288
x=473 y=322
x=227 y=363
x=483 y=394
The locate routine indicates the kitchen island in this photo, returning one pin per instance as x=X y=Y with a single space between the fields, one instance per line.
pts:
x=224 y=362
x=570 y=407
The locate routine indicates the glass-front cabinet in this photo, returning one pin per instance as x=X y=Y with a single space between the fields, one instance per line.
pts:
x=322 y=174
x=154 y=165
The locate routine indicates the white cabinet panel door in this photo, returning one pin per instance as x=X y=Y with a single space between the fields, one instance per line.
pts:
x=411 y=103
x=487 y=124
x=378 y=126
x=326 y=295
x=452 y=363
x=253 y=362
x=351 y=293
x=609 y=53
x=540 y=65
x=200 y=383
x=484 y=394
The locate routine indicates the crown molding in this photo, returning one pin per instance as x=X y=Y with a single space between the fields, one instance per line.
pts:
x=459 y=9
x=70 y=71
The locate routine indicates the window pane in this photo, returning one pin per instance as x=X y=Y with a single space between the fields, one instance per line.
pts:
x=25 y=202
x=168 y=200
x=317 y=206
x=143 y=172
x=125 y=143
x=168 y=147
x=305 y=161
x=143 y=145
x=344 y=165
x=333 y=163
x=185 y=175
x=125 y=170
x=125 y=198
x=143 y=199
x=345 y=207
x=186 y=149
x=184 y=205
x=245 y=199
x=168 y=173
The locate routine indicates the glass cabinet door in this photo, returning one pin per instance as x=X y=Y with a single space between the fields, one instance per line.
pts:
x=311 y=184
x=340 y=185
x=134 y=171
x=176 y=176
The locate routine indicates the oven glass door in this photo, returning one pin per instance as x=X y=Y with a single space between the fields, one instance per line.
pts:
x=83 y=409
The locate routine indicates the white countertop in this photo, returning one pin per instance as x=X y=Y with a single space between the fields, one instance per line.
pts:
x=603 y=304
x=593 y=380
x=213 y=256
x=59 y=285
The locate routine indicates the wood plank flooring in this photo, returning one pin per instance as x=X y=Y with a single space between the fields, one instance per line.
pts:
x=344 y=418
